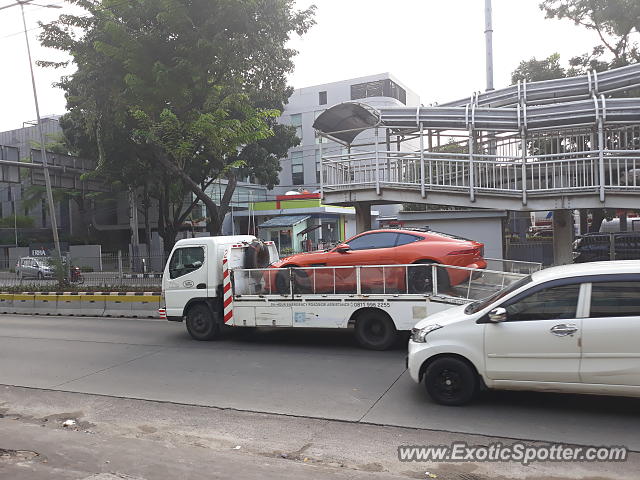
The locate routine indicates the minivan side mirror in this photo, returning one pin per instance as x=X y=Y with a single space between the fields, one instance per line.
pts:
x=343 y=248
x=498 y=315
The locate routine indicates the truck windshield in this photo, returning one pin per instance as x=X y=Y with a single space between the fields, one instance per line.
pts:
x=480 y=304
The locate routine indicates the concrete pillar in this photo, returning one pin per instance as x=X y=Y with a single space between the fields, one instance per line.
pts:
x=562 y=237
x=584 y=221
x=363 y=216
x=623 y=221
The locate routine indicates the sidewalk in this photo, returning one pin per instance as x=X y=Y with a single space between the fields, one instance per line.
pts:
x=144 y=440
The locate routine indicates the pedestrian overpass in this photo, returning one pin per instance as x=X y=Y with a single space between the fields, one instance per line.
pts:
x=557 y=144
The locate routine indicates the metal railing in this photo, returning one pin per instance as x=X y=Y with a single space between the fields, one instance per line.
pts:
x=418 y=280
x=550 y=137
x=618 y=170
x=89 y=280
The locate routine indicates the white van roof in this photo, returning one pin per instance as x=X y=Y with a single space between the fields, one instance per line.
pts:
x=591 y=268
x=217 y=240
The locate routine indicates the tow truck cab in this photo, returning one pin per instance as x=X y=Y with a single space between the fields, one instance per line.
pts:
x=194 y=274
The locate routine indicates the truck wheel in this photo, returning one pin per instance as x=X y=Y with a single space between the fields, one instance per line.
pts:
x=201 y=324
x=451 y=381
x=375 y=330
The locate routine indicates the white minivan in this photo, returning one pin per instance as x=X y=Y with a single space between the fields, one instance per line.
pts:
x=572 y=328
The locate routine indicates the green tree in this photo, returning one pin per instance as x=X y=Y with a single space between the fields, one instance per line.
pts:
x=617 y=23
x=534 y=70
x=174 y=94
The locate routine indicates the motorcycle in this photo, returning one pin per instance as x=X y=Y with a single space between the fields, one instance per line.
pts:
x=75 y=275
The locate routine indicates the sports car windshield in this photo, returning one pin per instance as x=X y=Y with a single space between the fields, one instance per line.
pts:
x=480 y=304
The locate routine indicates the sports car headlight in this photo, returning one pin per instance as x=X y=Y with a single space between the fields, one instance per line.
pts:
x=418 y=334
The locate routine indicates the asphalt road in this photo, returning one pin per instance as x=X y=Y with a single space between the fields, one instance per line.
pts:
x=306 y=373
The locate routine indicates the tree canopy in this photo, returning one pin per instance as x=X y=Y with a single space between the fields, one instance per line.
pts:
x=617 y=23
x=174 y=94
x=534 y=70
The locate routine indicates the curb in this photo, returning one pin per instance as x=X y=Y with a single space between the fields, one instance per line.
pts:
x=93 y=304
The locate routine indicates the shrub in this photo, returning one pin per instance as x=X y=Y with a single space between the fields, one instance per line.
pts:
x=21 y=221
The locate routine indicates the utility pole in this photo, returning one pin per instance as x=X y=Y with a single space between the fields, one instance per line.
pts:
x=45 y=169
x=15 y=217
x=488 y=34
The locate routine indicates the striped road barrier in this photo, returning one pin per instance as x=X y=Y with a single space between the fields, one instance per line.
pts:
x=94 y=304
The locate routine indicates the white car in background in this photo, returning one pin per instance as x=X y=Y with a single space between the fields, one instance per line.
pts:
x=34 y=267
x=572 y=328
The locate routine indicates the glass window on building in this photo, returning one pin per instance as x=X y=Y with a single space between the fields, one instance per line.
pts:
x=322 y=98
x=282 y=238
x=297 y=168
x=296 y=121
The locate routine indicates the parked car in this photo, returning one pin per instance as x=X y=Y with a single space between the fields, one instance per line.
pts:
x=384 y=247
x=34 y=267
x=572 y=328
x=593 y=247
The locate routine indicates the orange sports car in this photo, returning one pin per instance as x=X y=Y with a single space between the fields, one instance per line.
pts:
x=370 y=250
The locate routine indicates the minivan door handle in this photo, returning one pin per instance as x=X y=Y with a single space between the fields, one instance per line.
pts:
x=562 y=329
x=201 y=286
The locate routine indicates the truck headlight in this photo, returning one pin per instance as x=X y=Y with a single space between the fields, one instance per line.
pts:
x=418 y=334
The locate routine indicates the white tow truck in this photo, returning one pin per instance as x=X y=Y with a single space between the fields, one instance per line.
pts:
x=226 y=281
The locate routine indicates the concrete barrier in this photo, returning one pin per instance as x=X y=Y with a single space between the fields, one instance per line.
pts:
x=23 y=303
x=69 y=304
x=6 y=303
x=95 y=304
x=117 y=305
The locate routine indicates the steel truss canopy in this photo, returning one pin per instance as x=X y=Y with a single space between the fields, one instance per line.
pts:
x=345 y=121
x=551 y=104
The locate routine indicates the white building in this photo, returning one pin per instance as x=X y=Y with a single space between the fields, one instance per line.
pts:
x=301 y=169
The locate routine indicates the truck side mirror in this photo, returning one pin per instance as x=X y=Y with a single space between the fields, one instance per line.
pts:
x=343 y=248
x=498 y=315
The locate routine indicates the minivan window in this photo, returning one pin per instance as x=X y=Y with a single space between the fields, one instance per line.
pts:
x=481 y=304
x=555 y=303
x=615 y=299
x=185 y=260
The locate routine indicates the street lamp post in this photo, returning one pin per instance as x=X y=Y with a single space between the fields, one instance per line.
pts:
x=45 y=169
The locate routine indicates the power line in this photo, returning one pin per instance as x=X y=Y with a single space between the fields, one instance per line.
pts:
x=102 y=7
x=21 y=32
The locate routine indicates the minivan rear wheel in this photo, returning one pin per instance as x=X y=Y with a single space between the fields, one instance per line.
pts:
x=451 y=381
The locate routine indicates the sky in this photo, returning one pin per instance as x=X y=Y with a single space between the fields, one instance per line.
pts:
x=435 y=47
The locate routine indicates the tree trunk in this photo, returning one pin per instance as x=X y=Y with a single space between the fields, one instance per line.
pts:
x=147 y=224
x=215 y=227
x=216 y=213
x=171 y=219
x=193 y=186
